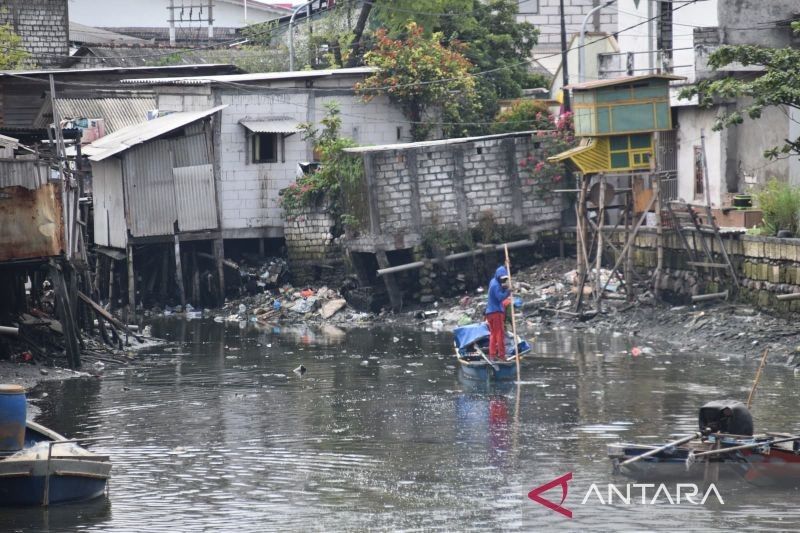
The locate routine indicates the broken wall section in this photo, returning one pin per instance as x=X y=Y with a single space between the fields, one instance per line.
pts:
x=312 y=246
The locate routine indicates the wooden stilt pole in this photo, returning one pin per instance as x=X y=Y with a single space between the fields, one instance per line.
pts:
x=179 y=272
x=513 y=317
x=628 y=258
x=582 y=252
x=111 y=266
x=659 y=238
x=631 y=238
x=601 y=213
x=219 y=258
x=65 y=316
x=131 y=283
x=195 y=280
x=395 y=294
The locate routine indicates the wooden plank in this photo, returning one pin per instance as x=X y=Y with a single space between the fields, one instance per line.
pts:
x=108 y=316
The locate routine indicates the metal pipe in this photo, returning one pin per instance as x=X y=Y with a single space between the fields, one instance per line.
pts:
x=454 y=257
x=291 y=33
x=9 y=330
x=582 y=41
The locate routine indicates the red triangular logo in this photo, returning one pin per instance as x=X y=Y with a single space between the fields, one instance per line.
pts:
x=535 y=494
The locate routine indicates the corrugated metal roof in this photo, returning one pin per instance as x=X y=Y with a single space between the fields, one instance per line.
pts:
x=271 y=125
x=117 y=113
x=80 y=33
x=100 y=70
x=256 y=76
x=621 y=81
x=144 y=131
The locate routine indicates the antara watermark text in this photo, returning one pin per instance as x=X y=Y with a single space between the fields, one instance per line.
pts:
x=651 y=494
x=629 y=494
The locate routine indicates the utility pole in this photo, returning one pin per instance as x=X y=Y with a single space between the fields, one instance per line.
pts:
x=200 y=12
x=564 y=66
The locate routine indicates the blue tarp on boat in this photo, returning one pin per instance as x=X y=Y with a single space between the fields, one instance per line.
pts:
x=466 y=335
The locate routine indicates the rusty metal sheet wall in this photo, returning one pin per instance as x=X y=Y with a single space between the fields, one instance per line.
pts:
x=194 y=196
x=109 y=208
x=26 y=173
x=149 y=189
x=31 y=222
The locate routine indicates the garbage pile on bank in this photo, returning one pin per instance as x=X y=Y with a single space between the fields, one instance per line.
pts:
x=286 y=304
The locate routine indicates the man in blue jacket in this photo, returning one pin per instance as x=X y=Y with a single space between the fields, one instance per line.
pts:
x=498 y=299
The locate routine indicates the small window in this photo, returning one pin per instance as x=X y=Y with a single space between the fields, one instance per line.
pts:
x=699 y=181
x=265 y=148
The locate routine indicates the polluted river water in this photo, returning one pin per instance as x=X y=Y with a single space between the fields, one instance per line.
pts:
x=217 y=433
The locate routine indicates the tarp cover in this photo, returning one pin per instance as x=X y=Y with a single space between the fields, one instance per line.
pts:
x=466 y=335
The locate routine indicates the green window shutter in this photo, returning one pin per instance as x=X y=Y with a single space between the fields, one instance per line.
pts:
x=620 y=160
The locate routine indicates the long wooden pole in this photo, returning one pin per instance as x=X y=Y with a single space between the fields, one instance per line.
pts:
x=654 y=451
x=601 y=214
x=758 y=377
x=631 y=240
x=513 y=318
x=746 y=446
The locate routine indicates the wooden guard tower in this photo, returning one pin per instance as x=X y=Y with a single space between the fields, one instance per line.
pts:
x=616 y=121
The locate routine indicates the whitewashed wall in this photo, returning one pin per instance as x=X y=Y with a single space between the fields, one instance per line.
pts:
x=692 y=120
x=250 y=191
x=154 y=14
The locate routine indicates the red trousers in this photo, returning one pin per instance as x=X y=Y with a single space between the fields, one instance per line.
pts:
x=497 y=335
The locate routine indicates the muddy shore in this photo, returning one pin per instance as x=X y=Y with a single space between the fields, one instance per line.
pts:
x=543 y=291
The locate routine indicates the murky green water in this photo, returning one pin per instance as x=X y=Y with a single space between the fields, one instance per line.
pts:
x=221 y=435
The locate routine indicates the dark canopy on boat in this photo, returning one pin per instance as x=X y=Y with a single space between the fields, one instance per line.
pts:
x=466 y=335
x=726 y=416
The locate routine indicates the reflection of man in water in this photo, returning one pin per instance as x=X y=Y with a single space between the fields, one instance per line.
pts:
x=498 y=428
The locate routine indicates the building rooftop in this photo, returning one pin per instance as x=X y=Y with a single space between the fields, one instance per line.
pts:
x=623 y=80
x=253 y=77
x=131 y=136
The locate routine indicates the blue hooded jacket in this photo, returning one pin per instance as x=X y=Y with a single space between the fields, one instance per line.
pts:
x=496 y=292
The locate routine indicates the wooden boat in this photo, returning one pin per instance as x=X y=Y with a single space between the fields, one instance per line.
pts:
x=471 y=344
x=771 y=459
x=672 y=463
x=774 y=465
x=51 y=469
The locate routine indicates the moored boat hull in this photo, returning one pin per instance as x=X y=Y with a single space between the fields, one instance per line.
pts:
x=71 y=474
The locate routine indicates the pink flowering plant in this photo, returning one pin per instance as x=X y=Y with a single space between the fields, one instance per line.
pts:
x=558 y=137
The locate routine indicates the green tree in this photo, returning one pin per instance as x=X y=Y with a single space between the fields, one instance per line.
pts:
x=394 y=15
x=777 y=84
x=12 y=55
x=493 y=40
x=422 y=75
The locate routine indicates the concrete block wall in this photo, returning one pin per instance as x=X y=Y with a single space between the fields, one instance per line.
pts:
x=309 y=235
x=548 y=19
x=43 y=26
x=765 y=267
x=448 y=185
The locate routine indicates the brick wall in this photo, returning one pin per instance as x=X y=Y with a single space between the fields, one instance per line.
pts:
x=43 y=26
x=448 y=185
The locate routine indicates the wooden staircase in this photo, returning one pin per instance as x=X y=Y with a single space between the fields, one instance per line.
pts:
x=688 y=223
